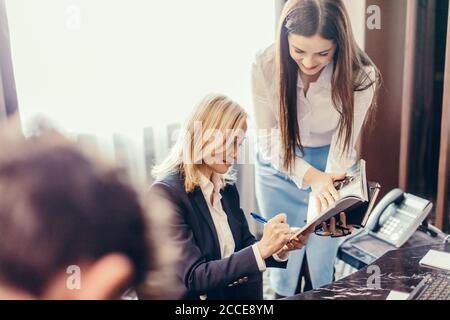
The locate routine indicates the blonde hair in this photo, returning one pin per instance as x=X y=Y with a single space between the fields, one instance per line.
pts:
x=214 y=112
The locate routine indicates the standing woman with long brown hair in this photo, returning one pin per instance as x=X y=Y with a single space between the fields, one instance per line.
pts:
x=313 y=92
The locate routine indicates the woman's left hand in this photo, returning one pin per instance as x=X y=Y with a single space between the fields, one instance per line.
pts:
x=296 y=243
x=322 y=187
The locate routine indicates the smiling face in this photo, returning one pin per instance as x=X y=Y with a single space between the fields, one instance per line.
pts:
x=311 y=54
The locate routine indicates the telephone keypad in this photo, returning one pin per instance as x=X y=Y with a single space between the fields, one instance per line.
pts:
x=392 y=229
x=399 y=218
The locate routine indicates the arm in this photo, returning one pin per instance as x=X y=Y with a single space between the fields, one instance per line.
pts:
x=268 y=134
x=362 y=103
x=249 y=240
x=337 y=163
x=196 y=272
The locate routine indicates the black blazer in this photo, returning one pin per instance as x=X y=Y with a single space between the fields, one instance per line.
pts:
x=201 y=269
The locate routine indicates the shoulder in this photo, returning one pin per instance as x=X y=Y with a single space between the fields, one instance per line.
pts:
x=366 y=78
x=265 y=61
x=365 y=87
x=231 y=190
x=169 y=190
x=172 y=183
x=266 y=55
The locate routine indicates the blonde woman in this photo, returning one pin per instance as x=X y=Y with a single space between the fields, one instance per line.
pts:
x=220 y=258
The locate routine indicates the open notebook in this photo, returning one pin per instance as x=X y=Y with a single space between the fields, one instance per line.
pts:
x=357 y=199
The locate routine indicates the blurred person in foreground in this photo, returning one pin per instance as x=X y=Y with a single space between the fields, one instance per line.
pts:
x=71 y=226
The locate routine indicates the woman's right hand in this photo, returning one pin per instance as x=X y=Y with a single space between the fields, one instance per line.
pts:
x=275 y=235
x=322 y=186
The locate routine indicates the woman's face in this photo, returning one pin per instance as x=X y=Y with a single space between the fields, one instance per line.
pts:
x=311 y=54
x=230 y=152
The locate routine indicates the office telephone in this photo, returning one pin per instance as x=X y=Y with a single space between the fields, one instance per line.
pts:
x=397 y=216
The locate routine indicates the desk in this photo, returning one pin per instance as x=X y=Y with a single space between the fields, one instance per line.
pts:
x=400 y=270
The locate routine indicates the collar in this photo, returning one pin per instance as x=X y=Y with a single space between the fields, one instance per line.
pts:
x=211 y=186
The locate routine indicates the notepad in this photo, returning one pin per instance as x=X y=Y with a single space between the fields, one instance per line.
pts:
x=436 y=259
x=357 y=199
x=397 y=295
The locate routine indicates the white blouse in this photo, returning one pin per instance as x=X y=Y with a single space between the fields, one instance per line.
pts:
x=317 y=118
x=219 y=217
x=220 y=220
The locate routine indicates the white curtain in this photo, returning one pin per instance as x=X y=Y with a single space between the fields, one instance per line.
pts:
x=123 y=74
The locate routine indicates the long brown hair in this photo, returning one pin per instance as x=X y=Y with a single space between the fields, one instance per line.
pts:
x=330 y=20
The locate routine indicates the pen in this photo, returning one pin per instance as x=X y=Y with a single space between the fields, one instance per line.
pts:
x=258 y=217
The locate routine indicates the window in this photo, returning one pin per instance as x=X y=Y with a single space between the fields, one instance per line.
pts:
x=117 y=66
x=109 y=68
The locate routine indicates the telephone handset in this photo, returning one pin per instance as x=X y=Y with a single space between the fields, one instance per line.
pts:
x=397 y=216
x=386 y=206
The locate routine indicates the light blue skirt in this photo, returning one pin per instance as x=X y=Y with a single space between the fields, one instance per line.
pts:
x=277 y=193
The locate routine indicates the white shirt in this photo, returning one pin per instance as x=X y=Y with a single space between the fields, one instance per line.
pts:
x=317 y=118
x=220 y=220
x=219 y=217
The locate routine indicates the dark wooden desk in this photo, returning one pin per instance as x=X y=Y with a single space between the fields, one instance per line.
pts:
x=400 y=270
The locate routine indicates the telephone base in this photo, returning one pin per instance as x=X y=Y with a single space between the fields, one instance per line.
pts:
x=363 y=249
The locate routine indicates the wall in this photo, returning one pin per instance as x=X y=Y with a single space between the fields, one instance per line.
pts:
x=381 y=147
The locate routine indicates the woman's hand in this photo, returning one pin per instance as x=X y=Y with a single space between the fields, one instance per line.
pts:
x=275 y=235
x=322 y=187
x=296 y=243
